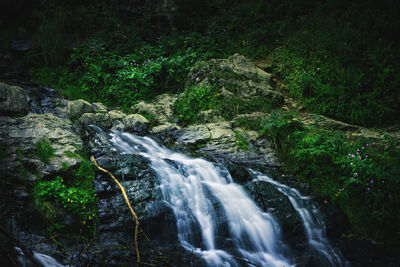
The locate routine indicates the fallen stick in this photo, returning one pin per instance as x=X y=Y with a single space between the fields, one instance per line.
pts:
x=135 y=217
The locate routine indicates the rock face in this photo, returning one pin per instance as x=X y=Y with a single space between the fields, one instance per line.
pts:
x=13 y=100
x=243 y=86
x=77 y=108
x=160 y=108
x=221 y=142
x=271 y=200
x=136 y=123
x=19 y=138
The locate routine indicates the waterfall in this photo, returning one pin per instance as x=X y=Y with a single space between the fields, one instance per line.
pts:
x=311 y=219
x=209 y=206
x=187 y=183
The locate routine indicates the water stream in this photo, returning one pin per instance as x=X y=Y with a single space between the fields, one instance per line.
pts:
x=311 y=218
x=199 y=191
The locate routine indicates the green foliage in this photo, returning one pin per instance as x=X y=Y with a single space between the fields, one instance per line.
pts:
x=73 y=192
x=75 y=198
x=362 y=178
x=151 y=118
x=118 y=79
x=44 y=150
x=341 y=70
x=241 y=141
x=280 y=128
x=49 y=37
x=370 y=175
x=195 y=99
x=249 y=123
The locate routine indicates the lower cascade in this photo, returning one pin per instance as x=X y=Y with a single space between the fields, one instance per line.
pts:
x=216 y=218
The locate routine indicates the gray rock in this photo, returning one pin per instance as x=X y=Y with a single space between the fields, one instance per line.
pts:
x=271 y=200
x=220 y=142
x=20 y=45
x=19 y=137
x=100 y=119
x=165 y=128
x=136 y=123
x=13 y=100
x=160 y=108
x=116 y=115
x=77 y=108
x=242 y=86
x=99 y=107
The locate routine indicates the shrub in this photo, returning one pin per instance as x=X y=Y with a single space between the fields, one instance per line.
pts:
x=79 y=200
x=195 y=99
x=362 y=178
x=75 y=194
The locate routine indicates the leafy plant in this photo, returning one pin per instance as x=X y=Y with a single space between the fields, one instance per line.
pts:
x=79 y=200
x=280 y=128
x=195 y=99
x=241 y=141
x=44 y=150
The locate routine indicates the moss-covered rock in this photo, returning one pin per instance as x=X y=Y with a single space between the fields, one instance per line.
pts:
x=21 y=137
x=76 y=108
x=13 y=100
x=227 y=86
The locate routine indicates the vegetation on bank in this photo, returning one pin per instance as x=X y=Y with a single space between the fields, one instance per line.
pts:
x=361 y=176
x=334 y=56
x=74 y=193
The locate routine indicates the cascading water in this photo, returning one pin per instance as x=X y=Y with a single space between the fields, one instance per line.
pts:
x=312 y=222
x=209 y=206
x=186 y=185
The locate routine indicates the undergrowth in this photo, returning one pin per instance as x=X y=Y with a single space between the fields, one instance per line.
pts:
x=74 y=193
x=360 y=176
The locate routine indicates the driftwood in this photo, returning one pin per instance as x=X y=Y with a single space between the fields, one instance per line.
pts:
x=135 y=217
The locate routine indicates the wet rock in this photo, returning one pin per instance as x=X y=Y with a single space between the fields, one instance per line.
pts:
x=20 y=45
x=77 y=108
x=269 y=199
x=116 y=115
x=165 y=132
x=99 y=107
x=13 y=100
x=239 y=174
x=220 y=142
x=136 y=123
x=324 y=122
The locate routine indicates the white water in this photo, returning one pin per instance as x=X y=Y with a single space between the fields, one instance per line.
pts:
x=187 y=185
x=312 y=223
x=194 y=187
x=44 y=260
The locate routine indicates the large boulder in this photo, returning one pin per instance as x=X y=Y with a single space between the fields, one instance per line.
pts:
x=242 y=87
x=136 y=123
x=160 y=108
x=221 y=142
x=19 y=138
x=77 y=108
x=13 y=100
